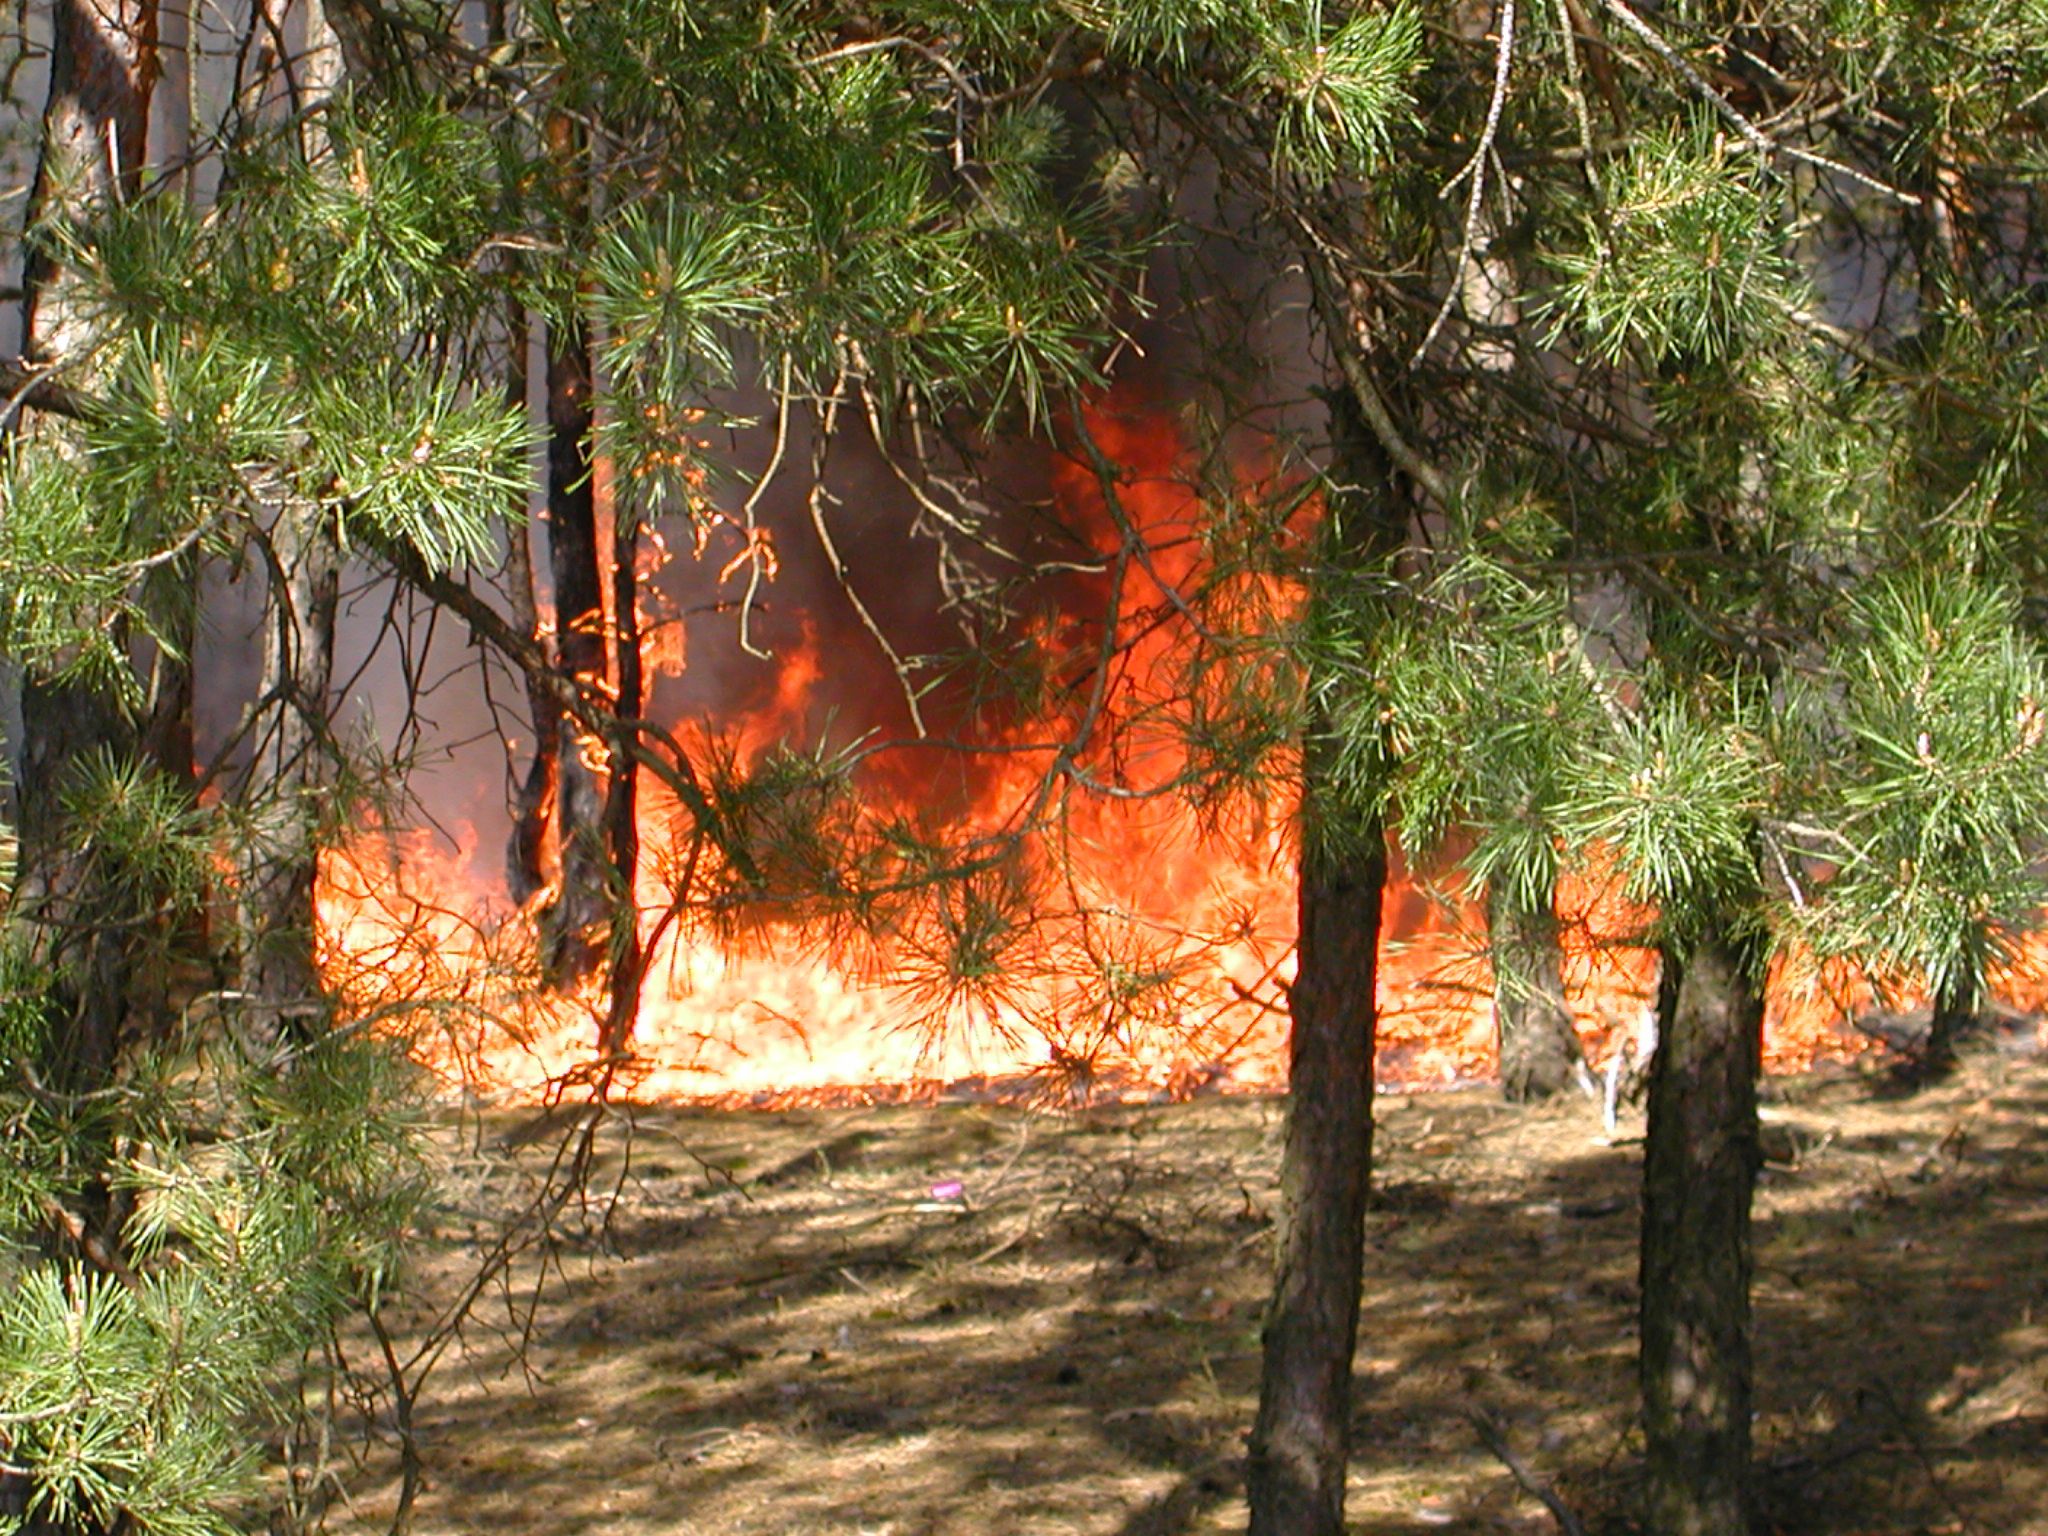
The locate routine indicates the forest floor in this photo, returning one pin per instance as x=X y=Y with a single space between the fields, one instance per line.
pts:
x=789 y=1323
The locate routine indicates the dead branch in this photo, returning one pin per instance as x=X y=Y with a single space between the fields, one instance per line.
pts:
x=1496 y=1441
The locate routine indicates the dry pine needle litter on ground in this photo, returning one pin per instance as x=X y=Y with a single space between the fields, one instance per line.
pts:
x=961 y=1320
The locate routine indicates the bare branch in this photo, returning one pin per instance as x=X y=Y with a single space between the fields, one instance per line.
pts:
x=1496 y=1442
x=1475 y=167
x=34 y=385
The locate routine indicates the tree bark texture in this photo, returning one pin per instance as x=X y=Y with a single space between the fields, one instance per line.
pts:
x=103 y=66
x=534 y=800
x=285 y=791
x=82 y=928
x=286 y=788
x=1699 y=1170
x=1955 y=1009
x=622 y=792
x=574 y=923
x=1540 y=1055
x=574 y=927
x=1301 y=1438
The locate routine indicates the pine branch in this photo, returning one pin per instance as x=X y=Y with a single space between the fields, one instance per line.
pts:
x=1351 y=340
x=35 y=385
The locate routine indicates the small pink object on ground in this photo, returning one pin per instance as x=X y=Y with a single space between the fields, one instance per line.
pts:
x=948 y=1189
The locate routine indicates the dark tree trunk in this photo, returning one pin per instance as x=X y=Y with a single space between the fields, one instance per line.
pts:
x=1540 y=1055
x=1955 y=1010
x=533 y=804
x=1699 y=1168
x=103 y=66
x=167 y=733
x=573 y=928
x=80 y=929
x=574 y=922
x=1301 y=1438
x=622 y=795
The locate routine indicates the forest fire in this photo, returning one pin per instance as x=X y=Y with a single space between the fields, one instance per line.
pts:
x=1157 y=967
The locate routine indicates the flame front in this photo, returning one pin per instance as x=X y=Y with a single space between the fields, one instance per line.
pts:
x=1162 y=968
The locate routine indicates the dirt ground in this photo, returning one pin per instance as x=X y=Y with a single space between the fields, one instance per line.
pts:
x=789 y=1322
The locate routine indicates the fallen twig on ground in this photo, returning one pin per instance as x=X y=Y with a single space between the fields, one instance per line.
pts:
x=1497 y=1442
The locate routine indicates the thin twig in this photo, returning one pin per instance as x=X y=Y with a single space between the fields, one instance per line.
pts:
x=1496 y=1442
x=753 y=501
x=408 y=1441
x=1752 y=135
x=828 y=422
x=1475 y=167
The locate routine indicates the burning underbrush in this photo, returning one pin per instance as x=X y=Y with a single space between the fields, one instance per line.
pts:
x=1083 y=893
x=1107 y=1002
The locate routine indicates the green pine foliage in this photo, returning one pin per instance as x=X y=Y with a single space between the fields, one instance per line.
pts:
x=1340 y=86
x=1685 y=259
x=1490 y=706
x=262 y=1208
x=190 y=1208
x=1648 y=386
x=1938 y=778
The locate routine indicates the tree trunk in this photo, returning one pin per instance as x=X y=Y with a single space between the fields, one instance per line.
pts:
x=533 y=803
x=622 y=794
x=574 y=922
x=1540 y=1055
x=80 y=928
x=1954 y=1011
x=102 y=67
x=534 y=800
x=289 y=778
x=573 y=928
x=1301 y=1438
x=1699 y=1169
x=290 y=771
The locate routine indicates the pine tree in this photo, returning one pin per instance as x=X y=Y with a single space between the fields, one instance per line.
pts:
x=202 y=1182
x=1690 y=406
x=882 y=215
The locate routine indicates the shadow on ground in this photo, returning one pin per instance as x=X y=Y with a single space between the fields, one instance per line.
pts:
x=781 y=1329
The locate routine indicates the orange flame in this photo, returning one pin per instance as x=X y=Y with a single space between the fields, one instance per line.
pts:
x=1164 y=971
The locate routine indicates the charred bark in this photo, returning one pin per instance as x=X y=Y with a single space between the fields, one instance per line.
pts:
x=573 y=926
x=534 y=798
x=1301 y=1438
x=533 y=801
x=533 y=804
x=1540 y=1055
x=1699 y=1170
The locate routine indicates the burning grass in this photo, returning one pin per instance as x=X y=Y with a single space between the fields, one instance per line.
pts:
x=788 y=1322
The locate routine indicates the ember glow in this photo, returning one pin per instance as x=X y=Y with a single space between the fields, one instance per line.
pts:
x=1162 y=971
